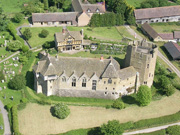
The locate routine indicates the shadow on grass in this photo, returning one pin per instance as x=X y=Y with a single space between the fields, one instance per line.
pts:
x=95 y=131
x=30 y=79
x=129 y=99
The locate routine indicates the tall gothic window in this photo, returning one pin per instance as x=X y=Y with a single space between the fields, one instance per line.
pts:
x=109 y=80
x=73 y=82
x=84 y=82
x=63 y=79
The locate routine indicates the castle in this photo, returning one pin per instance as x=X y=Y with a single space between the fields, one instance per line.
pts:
x=96 y=77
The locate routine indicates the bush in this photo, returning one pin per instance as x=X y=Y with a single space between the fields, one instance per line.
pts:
x=118 y=104
x=27 y=34
x=18 y=17
x=144 y=95
x=112 y=128
x=61 y=111
x=173 y=130
x=85 y=37
x=44 y=33
x=169 y=90
x=108 y=106
x=18 y=82
x=14 y=46
x=25 y=48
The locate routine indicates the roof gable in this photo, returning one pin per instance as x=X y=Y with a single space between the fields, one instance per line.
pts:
x=149 y=30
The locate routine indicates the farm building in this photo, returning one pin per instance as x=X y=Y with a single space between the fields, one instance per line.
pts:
x=173 y=49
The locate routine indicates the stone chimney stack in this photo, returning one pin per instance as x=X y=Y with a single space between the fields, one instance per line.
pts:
x=82 y=33
x=102 y=58
x=104 y=5
x=64 y=30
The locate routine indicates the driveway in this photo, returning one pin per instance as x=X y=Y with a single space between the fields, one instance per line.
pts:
x=7 y=130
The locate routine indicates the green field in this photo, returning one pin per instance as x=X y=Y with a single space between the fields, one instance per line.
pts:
x=12 y=6
x=165 y=27
x=102 y=33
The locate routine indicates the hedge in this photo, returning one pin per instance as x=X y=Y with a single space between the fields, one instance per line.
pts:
x=15 y=124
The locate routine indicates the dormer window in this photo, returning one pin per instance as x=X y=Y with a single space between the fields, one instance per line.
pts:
x=88 y=10
x=97 y=10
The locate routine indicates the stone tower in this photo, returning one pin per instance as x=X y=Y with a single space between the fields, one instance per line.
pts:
x=142 y=56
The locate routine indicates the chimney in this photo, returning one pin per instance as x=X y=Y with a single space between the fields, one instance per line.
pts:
x=104 y=5
x=101 y=58
x=63 y=30
x=82 y=34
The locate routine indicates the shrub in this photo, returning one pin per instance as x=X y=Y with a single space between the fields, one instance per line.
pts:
x=25 y=48
x=61 y=111
x=173 y=130
x=108 y=106
x=169 y=90
x=112 y=128
x=118 y=104
x=18 y=82
x=27 y=34
x=144 y=95
x=18 y=17
x=85 y=37
x=44 y=33
x=23 y=59
x=14 y=46
x=90 y=38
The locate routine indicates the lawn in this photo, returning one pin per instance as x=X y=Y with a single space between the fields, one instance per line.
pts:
x=12 y=6
x=124 y=32
x=37 y=119
x=101 y=33
x=165 y=27
x=1 y=124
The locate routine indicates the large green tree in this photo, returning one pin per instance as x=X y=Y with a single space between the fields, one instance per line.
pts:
x=18 y=17
x=27 y=34
x=144 y=95
x=18 y=82
x=112 y=128
x=46 y=4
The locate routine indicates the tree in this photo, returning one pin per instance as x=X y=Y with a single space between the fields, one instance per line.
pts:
x=18 y=82
x=46 y=4
x=112 y=128
x=119 y=19
x=53 y=9
x=131 y=19
x=14 y=45
x=173 y=130
x=118 y=104
x=144 y=95
x=44 y=33
x=18 y=17
x=46 y=45
x=25 y=48
x=61 y=110
x=23 y=59
x=27 y=34
x=169 y=90
x=1 y=10
x=164 y=82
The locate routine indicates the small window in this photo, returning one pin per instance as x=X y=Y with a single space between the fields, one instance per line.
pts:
x=145 y=82
x=97 y=10
x=84 y=82
x=104 y=82
x=114 y=83
x=147 y=65
x=109 y=80
x=149 y=74
x=127 y=79
x=113 y=93
x=74 y=82
x=113 y=88
x=105 y=93
x=88 y=10
x=106 y=88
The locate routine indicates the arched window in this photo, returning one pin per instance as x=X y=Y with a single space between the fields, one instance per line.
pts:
x=84 y=82
x=73 y=82
x=109 y=80
x=63 y=79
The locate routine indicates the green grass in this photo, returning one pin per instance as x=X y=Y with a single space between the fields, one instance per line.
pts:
x=165 y=27
x=159 y=132
x=124 y=32
x=102 y=33
x=12 y=6
x=1 y=124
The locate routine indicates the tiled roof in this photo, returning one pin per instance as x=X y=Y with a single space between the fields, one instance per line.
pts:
x=149 y=30
x=75 y=34
x=157 y=12
x=109 y=68
x=176 y=34
x=173 y=49
x=54 y=17
x=166 y=36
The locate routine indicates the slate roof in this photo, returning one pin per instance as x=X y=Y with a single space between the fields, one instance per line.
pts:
x=176 y=34
x=75 y=34
x=157 y=12
x=166 y=36
x=173 y=49
x=149 y=30
x=78 y=6
x=127 y=72
x=109 y=68
x=54 y=17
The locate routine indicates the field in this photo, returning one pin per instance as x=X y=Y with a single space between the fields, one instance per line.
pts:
x=165 y=27
x=36 y=119
x=12 y=6
x=101 y=33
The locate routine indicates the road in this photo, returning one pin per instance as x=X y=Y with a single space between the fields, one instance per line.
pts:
x=6 y=127
x=132 y=32
x=148 y=130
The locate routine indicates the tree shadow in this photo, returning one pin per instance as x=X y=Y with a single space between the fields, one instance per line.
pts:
x=120 y=61
x=129 y=100
x=30 y=79
x=95 y=131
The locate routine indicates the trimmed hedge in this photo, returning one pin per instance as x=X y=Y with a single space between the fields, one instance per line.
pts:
x=15 y=124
